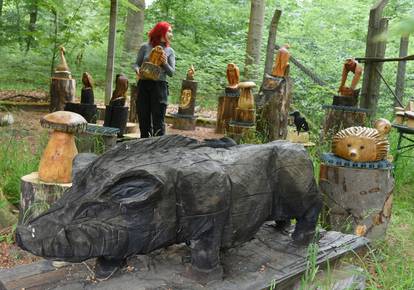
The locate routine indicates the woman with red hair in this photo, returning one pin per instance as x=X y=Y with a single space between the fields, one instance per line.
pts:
x=153 y=94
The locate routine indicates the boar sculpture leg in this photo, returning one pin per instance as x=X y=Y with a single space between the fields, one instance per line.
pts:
x=148 y=194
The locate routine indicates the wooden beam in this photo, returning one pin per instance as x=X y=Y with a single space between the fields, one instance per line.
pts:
x=110 y=60
x=271 y=42
x=379 y=59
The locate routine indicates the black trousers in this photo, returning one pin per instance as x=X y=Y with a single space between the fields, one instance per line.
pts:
x=151 y=107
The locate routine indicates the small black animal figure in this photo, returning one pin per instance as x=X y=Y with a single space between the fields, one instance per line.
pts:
x=300 y=122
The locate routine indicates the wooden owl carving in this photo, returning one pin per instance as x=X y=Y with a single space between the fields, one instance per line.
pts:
x=155 y=56
x=233 y=75
x=121 y=87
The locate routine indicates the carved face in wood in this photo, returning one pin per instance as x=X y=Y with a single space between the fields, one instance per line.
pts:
x=233 y=75
x=185 y=99
x=360 y=144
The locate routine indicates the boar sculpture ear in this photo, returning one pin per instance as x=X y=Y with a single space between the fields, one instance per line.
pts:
x=136 y=190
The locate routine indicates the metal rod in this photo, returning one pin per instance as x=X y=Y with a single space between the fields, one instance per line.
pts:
x=392 y=92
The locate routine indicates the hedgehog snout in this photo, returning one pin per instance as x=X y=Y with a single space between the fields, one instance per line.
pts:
x=353 y=153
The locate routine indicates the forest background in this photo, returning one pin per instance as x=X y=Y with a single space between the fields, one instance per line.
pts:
x=207 y=34
x=210 y=34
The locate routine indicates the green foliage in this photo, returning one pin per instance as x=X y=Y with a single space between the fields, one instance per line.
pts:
x=17 y=158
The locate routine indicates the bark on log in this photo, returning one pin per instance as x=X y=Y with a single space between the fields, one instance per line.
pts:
x=359 y=200
x=336 y=120
x=62 y=91
x=272 y=105
x=36 y=196
x=225 y=113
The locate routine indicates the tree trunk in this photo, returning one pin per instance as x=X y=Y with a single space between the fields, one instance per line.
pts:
x=110 y=60
x=254 y=39
x=134 y=32
x=271 y=42
x=337 y=119
x=273 y=103
x=34 y=8
x=372 y=81
x=400 y=85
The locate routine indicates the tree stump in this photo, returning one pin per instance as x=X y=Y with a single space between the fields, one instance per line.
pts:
x=341 y=117
x=133 y=117
x=225 y=112
x=62 y=91
x=36 y=196
x=272 y=104
x=359 y=200
x=185 y=119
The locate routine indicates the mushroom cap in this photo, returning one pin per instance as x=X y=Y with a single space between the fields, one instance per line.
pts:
x=400 y=113
x=64 y=121
x=398 y=109
x=244 y=85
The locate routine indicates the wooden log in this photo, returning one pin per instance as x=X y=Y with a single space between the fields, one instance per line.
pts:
x=133 y=117
x=272 y=105
x=225 y=112
x=359 y=200
x=36 y=196
x=336 y=120
x=62 y=91
x=184 y=122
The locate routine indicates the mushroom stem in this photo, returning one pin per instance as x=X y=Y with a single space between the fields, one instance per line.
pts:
x=56 y=162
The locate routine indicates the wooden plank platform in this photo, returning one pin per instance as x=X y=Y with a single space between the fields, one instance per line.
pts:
x=269 y=258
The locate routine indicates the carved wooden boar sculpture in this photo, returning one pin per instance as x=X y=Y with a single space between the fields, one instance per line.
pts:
x=151 y=193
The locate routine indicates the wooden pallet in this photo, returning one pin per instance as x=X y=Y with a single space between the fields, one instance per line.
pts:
x=269 y=258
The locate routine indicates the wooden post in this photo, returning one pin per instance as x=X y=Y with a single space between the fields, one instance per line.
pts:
x=375 y=48
x=110 y=60
x=400 y=84
x=225 y=112
x=271 y=41
x=359 y=200
x=273 y=103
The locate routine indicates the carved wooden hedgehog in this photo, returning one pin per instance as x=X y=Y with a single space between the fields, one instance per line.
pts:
x=362 y=144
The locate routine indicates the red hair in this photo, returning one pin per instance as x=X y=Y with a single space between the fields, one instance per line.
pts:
x=159 y=31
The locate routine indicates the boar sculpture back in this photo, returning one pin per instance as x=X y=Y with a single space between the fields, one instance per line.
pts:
x=151 y=193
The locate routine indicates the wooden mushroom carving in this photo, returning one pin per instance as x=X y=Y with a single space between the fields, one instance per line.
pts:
x=56 y=162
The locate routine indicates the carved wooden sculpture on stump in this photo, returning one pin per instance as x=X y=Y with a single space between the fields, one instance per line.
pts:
x=185 y=119
x=151 y=193
x=357 y=180
x=86 y=108
x=274 y=98
x=281 y=66
x=116 y=113
x=62 y=87
x=227 y=104
x=56 y=162
x=245 y=116
x=348 y=96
